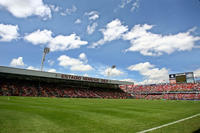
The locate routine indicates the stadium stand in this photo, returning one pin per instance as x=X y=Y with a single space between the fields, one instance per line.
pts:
x=21 y=82
x=31 y=88
x=184 y=91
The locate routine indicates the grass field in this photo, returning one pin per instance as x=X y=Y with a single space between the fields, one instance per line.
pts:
x=65 y=115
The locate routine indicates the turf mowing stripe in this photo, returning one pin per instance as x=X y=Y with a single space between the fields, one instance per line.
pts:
x=151 y=129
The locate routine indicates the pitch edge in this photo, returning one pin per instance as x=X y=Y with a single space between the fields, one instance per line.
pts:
x=151 y=129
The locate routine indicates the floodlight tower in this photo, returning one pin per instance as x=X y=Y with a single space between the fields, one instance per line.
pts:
x=109 y=71
x=46 y=51
x=113 y=67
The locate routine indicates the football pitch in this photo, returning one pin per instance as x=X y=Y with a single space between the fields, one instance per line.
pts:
x=66 y=115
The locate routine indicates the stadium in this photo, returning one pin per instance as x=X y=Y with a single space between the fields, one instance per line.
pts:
x=99 y=66
x=37 y=101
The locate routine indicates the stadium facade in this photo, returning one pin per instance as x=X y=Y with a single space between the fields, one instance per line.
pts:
x=58 y=84
x=49 y=76
x=22 y=82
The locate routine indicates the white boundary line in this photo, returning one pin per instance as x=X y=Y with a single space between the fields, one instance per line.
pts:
x=151 y=129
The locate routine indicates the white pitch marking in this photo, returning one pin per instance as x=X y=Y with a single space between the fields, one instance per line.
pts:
x=151 y=129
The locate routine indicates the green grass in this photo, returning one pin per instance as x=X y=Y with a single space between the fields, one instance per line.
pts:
x=65 y=115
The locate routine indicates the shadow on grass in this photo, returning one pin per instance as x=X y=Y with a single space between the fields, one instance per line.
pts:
x=197 y=131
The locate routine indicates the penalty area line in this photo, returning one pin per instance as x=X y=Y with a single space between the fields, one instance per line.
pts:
x=151 y=129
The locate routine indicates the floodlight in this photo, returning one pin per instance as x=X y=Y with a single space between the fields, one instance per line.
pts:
x=109 y=71
x=46 y=51
x=114 y=66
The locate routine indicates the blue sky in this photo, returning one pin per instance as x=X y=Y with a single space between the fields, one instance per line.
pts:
x=146 y=40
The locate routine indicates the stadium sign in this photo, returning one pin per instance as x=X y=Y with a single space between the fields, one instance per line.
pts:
x=81 y=78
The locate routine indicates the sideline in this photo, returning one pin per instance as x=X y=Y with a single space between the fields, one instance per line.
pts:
x=151 y=129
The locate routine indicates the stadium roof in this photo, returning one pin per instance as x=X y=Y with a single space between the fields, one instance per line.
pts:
x=34 y=73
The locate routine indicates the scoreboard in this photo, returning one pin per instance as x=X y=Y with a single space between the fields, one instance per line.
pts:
x=181 y=79
x=187 y=77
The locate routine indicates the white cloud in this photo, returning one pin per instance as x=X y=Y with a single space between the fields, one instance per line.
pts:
x=197 y=73
x=128 y=80
x=81 y=67
x=151 y=44
x=113 y=72
x=114 y=30
x=61 y=43
x=55 y=8
x=8 y=32
x=33 y=68
x=86 y=75
x=78 y=21
x=83 y=57
x=73 y=63
x=124 y=3
x=51 y=62
x=58 y=43
x=69 y=11
x=93 y=15
x=52 y=70
x=135 y=5
x=25 y=8
x=17 y=62
x=63 y=14
x=141 y=67
x=39 y=37
x=150 y=72
x=91 y=28
x=38 y=69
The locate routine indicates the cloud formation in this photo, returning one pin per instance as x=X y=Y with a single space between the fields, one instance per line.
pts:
x=61 y=42
x=114 y=30
x=57 y=43
x=8 y=32
x=91 y=28
x=55 y=8
x=39 y=37
x=51 y=62
x=17 y=62
x=73 y=63
x=135 y=5
x=197 y=73
x=150 y=73
x=83 y=57
x=78 y=21
x=93 y=15
x=38 y=69
x=26 y=8
x=32 y=68
x=146 y=42
x=151 y=44
x=69 y=11
x=129 y=80
x=124 y=3
x=52 y=70
x=112 y=72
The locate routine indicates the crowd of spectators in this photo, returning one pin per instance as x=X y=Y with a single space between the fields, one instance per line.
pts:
x=184 y=91
x=30 y=88
x=164 y=88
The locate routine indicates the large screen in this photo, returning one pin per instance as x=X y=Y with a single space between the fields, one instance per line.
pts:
x=181 y=79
